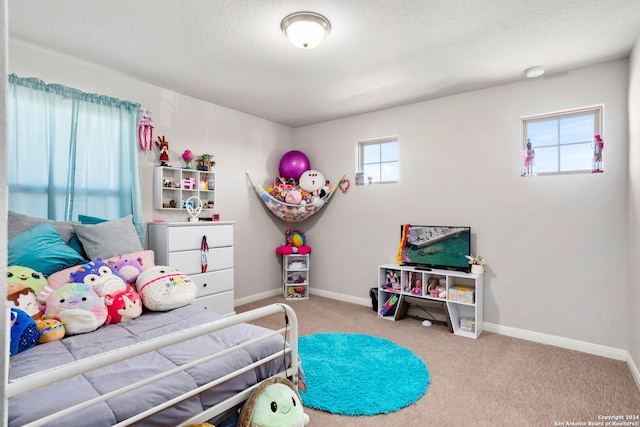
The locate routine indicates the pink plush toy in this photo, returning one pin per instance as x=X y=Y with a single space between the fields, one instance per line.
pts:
x=124 y=305
x=296 y=244
x=128 y=268
x=78 y=306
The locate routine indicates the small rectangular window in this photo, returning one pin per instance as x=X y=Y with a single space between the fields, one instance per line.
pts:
x=378 y=160
x=562 y=142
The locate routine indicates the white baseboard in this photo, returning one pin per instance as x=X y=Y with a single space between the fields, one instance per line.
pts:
x=257 y=297
x=571 y=344
x=634 y=369
x=341 y=297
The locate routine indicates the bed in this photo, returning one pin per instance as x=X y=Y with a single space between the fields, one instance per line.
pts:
x=184 y=366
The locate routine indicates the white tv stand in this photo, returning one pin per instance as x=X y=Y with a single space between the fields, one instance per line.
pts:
x=465 y=316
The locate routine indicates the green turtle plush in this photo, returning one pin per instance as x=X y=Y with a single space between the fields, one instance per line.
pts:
x=274 y=403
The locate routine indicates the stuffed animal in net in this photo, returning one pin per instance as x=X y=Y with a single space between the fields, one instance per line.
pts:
x=79 y=306
x=274 y=403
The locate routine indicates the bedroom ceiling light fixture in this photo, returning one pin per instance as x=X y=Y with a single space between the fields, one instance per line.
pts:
x=305 y=30
x=533 y=72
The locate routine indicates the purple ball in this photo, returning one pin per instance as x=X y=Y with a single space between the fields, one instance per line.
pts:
x=293 y=164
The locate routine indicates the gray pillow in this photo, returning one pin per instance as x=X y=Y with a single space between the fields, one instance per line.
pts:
x=19 y=223
x=108 y=239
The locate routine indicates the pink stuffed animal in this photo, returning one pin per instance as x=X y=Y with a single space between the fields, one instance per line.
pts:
x=124 y=305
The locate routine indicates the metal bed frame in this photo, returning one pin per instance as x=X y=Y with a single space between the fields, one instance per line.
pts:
x=290 y=370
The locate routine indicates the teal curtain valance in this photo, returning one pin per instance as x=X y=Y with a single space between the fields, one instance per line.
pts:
x=72 y=93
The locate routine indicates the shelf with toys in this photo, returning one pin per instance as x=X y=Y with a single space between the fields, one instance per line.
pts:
x=173 y=186
x=295 y=265
x=459 y=293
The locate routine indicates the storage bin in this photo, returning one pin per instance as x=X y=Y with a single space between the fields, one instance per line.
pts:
x=461 y=294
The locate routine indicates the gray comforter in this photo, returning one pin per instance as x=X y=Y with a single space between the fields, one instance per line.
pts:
x=34 y=405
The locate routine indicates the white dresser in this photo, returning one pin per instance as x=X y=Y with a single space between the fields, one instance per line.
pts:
x=178 y=244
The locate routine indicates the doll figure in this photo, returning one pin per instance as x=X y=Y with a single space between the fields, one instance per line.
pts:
x=528 y=155
x=163 y=145
x=598 y=146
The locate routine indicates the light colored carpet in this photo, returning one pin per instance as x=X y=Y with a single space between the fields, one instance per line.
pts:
x=492 y=381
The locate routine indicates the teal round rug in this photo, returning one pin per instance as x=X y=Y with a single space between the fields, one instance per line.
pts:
x=356 y=374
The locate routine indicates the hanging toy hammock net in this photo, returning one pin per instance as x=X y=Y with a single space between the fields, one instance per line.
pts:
x=292 y=212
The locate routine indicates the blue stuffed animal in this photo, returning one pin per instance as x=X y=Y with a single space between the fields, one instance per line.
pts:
x=24 y=333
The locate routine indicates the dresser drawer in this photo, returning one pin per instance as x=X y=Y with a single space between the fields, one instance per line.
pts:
x=220 y=303
x=214 y=282
x=190 y=238
x=189 y=262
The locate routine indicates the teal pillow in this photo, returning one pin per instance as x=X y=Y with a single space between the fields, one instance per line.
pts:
x=42 y=249
x=85 y=219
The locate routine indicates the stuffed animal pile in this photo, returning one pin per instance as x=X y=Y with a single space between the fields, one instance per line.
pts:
x=309 y=189
x=98 y=293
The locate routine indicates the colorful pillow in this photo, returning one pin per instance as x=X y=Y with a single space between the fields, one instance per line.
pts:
x=41 y=248
x=108 y=239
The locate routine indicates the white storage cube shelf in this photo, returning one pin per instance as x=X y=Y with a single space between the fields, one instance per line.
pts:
x=174 y=186
x=396 y=282
x=295 y=276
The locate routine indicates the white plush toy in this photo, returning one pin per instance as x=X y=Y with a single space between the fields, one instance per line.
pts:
x=163 y=288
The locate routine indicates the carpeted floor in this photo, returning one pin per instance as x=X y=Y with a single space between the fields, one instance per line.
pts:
x=492 y=381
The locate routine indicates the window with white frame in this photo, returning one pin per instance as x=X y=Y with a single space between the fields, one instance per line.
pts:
x=378 y=160
x=563 y=142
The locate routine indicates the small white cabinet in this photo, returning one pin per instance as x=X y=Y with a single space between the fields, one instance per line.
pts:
x=460 y=294
x=295 y=276
x=178 y=244
x=173 y=186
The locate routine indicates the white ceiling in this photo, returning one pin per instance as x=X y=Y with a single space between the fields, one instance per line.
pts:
x=379 y=54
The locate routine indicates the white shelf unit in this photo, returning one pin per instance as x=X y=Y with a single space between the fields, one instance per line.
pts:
x=178 y=245
x=466 y=317
x=295 y=276
x=173 y=186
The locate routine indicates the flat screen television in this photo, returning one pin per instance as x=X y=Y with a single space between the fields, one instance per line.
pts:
x=435 y=246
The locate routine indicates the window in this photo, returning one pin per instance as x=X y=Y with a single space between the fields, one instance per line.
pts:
x=563 y=142
x=71 y=153
x=378 y=160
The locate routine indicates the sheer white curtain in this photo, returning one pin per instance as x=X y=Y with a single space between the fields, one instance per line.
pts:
x=71 y=153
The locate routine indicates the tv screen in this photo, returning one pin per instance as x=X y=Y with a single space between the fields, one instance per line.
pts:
x=443 y=247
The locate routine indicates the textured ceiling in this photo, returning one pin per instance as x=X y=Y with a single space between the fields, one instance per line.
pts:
x=379 y=54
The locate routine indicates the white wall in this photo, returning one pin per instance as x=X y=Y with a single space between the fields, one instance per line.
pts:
x=556 y=245
x=634 y=208
x=238 y=141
